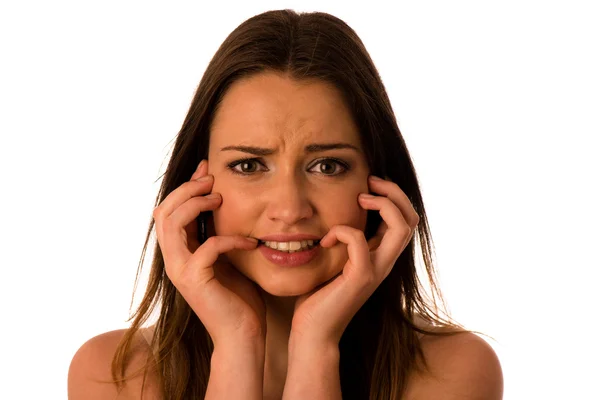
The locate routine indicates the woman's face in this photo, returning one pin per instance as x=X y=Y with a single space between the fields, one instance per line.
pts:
x=287 y=183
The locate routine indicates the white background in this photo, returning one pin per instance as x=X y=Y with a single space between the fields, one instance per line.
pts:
x=498 y=102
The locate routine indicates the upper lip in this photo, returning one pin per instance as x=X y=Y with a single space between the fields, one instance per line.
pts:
x=288 y=237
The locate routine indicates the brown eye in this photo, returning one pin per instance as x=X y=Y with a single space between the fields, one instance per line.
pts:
x=248 y=166
x=327 y=167
x=331 y=167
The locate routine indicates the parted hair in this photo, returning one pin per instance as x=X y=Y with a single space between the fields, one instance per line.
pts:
x=380 y=345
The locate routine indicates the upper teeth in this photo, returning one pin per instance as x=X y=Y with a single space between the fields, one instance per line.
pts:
x=290 y=245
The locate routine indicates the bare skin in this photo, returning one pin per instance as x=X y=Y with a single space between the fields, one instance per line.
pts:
x=287 y=192
x=276 y=328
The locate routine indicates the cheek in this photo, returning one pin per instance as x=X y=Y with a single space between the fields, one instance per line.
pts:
x=343 y=208
x=238 y=211
x=235 y=210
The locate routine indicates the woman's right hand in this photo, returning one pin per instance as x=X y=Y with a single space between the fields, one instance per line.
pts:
x=228 y=304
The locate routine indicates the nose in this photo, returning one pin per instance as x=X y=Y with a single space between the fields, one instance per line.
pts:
x=288 y=200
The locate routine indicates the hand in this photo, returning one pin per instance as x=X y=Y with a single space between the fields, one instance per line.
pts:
x=322 y=316
x=227 y=303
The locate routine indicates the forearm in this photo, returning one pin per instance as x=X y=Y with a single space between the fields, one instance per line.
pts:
x=313 y=372
x=236 y=372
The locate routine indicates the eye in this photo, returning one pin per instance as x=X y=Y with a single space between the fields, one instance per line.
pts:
x=332 y=166
x=247 y=166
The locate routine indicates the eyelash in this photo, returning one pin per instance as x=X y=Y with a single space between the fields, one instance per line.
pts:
x=339 y=162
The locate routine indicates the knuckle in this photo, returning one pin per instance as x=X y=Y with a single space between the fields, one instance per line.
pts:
x=169 y=271
x=417 y=220
x=211 y=241
x=406 y=230
x=357 y=234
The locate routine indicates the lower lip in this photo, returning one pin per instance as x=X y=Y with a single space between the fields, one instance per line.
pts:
x=289 y=259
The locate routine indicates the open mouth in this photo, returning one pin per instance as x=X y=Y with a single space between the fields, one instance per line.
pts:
x=291 y=247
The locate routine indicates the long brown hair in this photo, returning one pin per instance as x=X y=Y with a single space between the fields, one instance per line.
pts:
x=380 y=346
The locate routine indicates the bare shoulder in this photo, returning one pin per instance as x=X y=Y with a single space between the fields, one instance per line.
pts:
x=462 y=366
x=90 y=370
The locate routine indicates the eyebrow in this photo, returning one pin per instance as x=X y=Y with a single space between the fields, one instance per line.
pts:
x=311 y=148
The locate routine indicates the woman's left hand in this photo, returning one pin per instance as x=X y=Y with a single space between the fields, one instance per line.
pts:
x=321 y=316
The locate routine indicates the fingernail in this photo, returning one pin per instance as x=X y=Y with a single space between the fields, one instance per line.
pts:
x=200 y=165
x=253 y=240
x=375 y=178
x=366 y=196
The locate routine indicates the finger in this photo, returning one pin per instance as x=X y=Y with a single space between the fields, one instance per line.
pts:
x=192 y=228
x=375 y=241
x=392 y=191
x=207 y=254
x=395 y=238
x=358 y=251
x=173 y=200
x=182 y=194
x=174 y=236
x=201 y=170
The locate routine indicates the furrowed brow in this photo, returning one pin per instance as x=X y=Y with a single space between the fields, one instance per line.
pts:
x=317 y=147
x=311 y=148
x=258 y=151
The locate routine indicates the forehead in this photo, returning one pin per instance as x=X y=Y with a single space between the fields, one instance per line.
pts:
x=273 y=110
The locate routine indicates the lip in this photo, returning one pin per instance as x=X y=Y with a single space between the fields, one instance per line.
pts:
x=288 y=237
x=284 y=259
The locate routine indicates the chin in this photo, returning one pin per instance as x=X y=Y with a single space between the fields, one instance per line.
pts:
x=293 y=289
x=292 y=284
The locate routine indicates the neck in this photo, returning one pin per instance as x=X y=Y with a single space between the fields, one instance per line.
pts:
x=280 y=311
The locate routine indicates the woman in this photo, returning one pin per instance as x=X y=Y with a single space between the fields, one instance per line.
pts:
x=285 y=265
